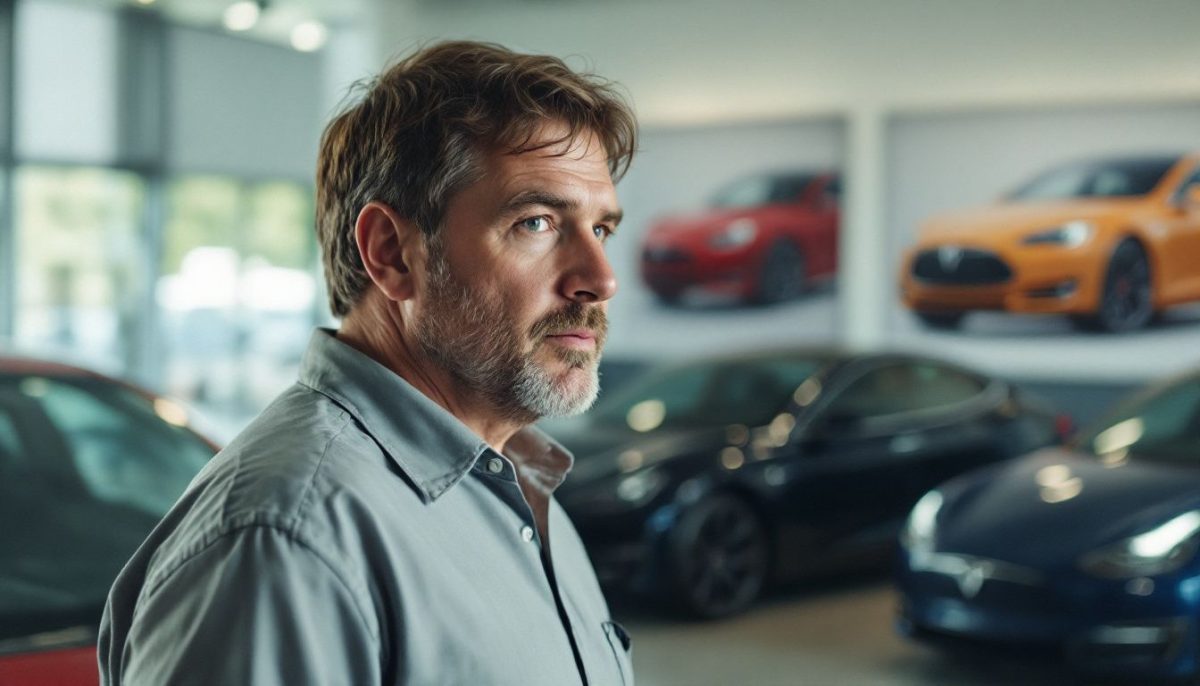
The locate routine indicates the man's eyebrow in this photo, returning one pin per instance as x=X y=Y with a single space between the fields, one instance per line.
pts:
x=554 y=202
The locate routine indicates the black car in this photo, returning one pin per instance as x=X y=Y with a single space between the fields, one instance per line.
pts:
x=705 y=482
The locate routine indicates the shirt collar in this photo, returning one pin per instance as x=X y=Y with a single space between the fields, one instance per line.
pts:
x=432 y=447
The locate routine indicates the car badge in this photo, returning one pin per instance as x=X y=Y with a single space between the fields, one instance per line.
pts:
x=949 y=256
x=971 y=579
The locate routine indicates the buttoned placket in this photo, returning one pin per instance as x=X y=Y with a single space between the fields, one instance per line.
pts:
x=501 y=477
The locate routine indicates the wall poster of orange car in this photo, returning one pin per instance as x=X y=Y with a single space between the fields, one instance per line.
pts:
x=1060 y=239
x=730 y=237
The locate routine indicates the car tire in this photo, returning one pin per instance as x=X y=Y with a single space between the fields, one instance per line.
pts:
x=942 y=321
x=1127 y=295
x=783 y=274
x=718 y=558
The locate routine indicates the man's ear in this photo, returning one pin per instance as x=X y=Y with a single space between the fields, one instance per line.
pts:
x=389 y=246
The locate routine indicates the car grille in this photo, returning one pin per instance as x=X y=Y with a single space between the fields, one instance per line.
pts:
x=1000 y=585
x=665 y=255
x=960 y=266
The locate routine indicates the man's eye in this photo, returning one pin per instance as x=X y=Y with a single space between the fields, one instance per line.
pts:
x=535 y=224
x=602 y=232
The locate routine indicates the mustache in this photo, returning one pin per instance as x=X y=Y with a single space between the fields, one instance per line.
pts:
x=573 y=316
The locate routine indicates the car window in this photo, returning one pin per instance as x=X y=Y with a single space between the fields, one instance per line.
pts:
x=1188 y=182
x=1164 y=426
x=120 y=449
x=789 y=188
x=905 y=387
x=1112 y=178
x=746 y=392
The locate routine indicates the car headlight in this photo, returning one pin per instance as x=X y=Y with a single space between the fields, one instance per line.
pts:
x=1162 y=549
x=1069 y=235
x=740 y=232
x=640 y=488
x=920 y=531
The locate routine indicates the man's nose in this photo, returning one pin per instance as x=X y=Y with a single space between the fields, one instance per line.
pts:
x=589 y=277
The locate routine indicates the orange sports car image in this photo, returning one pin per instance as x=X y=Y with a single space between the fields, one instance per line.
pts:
x=1109 y=242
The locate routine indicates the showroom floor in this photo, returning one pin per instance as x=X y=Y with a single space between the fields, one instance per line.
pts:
x=836 y=634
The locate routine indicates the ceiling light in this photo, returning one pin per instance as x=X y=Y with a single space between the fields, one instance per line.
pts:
x=241 y=16
x=145 y=2
x=309 y=36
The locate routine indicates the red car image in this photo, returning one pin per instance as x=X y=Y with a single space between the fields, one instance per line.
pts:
x=763 y=239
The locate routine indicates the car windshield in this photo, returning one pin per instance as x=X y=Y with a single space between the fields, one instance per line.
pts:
x=1162 y=426
x=749 y=392
x=1108 y=179
x=87 y=468
x=762 y=190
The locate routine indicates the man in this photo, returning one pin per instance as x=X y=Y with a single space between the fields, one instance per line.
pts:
x=389 y=519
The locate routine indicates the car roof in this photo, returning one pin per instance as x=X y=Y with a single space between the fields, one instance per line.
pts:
x=12 y=364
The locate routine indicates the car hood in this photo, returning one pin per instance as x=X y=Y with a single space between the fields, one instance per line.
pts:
x=605 y=451
x=708 y=221
x=1012 y=221
x=1053 y=506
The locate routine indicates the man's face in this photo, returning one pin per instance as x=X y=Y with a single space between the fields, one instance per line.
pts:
x=517 y=282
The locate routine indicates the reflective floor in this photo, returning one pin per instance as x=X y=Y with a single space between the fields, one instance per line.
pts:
x=837 y=634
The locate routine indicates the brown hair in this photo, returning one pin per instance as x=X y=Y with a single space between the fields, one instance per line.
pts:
x=414 y=138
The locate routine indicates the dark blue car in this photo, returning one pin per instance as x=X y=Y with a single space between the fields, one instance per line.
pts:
x=1090 y=551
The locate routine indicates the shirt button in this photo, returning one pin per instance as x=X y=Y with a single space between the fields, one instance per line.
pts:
x=495 y=465
x=526 y=534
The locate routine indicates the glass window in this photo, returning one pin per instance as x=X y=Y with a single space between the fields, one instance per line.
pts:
x=120 y=449
x=746 y=392
x=899 y=388
x=1162 y=426
x=1191 y=180
x=80 y=268
x=238 y=295
x=1111 y=178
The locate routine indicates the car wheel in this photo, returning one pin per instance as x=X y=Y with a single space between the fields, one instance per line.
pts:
x=942 y=321
x=1127 y=300
x=719 y=557
x=782 y=275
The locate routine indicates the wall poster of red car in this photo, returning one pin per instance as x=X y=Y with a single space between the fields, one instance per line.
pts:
x=730 y=237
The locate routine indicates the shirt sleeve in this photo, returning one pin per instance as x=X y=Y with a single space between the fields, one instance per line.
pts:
x=254 y=607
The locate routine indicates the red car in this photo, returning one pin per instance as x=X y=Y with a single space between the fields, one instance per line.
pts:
x=764 y=239
x=88 y=465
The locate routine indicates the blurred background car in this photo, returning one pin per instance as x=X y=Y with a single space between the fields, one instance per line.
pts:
x=707 y=481
x=1087 y=551
x=764 y=239
x=1109 y=242
x=88 y=465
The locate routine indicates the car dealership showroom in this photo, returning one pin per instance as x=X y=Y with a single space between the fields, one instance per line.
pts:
x=901 y=382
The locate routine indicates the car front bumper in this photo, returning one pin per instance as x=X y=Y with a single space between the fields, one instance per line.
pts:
x=1040 y=279
x=1095 y=625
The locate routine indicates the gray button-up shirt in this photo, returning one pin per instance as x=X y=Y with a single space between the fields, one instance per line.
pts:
x=357 y=533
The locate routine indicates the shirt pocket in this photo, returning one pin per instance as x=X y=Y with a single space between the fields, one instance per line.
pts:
x=622 y=648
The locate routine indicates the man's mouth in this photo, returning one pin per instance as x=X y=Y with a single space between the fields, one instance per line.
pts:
x=576 y=339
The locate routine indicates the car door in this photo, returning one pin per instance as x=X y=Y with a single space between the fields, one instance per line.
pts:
x=878 y=442
x=849 y=474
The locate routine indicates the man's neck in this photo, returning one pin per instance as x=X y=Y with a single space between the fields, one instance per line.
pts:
x=382 y=337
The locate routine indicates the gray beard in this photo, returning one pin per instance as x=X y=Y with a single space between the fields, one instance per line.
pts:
x=469 y=336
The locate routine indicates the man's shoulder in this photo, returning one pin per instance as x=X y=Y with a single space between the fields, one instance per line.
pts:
x=303 y=454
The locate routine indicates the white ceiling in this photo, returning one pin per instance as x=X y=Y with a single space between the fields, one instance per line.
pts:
x=275 y=22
